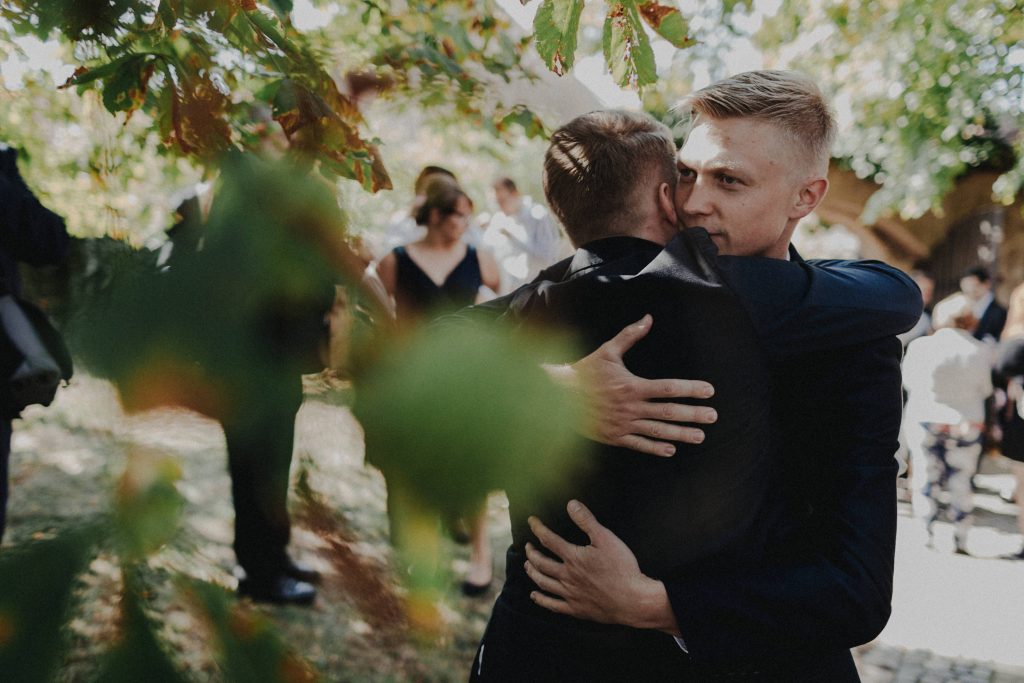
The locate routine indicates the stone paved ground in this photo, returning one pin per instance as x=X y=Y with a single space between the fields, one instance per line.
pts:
x=955 y=618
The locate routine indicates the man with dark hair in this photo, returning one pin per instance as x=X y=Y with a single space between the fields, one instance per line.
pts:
x=976 y=285
x=521 y=234
x=724 y=517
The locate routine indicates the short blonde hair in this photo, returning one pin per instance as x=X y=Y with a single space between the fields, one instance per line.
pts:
x=788 y=100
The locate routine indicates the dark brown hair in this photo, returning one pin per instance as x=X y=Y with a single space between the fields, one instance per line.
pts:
x=595 y=166
x=441 y=193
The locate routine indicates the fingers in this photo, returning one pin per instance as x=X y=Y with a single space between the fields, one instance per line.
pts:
x=624 y=340
x=549 y=603
x=584 y=519
x=543 y=581
x=641 y=444
x=544 y=564
x=549 y=539
x=672 y=388
x=666 y=431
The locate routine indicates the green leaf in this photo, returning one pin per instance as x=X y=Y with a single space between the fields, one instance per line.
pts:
x=148 y=503
x=556 y=25
x=282 y=7
x=84 y=75
x=627 y=50
x=138 y=656
x=35 y=590
x=248 y=648
x=667 y=22
x=125 y=89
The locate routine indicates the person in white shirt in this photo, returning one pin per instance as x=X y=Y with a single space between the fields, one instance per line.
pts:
x=522 y=236
x=948 y=376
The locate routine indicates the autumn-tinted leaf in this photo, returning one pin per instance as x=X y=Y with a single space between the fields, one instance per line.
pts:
x=667 y=22
x=125 y=89
x=627 y=49
x=556 y=25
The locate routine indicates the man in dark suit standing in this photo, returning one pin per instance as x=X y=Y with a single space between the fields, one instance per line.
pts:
x=753 y=164
x=976 y=284
x=765 y=610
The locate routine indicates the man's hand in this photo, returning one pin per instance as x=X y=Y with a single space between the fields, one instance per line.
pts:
x=619 y=406
x=600 y=582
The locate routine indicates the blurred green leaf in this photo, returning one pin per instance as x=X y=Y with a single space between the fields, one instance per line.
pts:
x=249 y=649
x=148 y=504
x=36 y=580
x=138 y=655
x=556 y=25
x=432 y=414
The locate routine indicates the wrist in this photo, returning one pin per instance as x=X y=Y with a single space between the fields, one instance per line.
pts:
x=651 y=608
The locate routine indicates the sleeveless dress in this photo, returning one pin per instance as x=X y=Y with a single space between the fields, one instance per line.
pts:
x=416 y=295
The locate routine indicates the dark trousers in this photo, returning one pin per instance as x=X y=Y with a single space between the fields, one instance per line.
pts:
x=259 y=459
x=5 y=457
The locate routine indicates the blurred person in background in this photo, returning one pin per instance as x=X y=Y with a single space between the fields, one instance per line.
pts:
x=283 y=324
x=976 y=285
x=948 y=378
x=1009 y=369
x=522 y=236
x=29 y=233
x=926 y=284
x=437 y=273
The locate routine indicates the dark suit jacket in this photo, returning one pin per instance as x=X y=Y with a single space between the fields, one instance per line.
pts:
x=992 y=321
x=825 y=329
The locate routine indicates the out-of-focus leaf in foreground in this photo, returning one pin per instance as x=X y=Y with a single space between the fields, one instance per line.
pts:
x=452 y=415
x=36 y=581
x=138 y=655
x=225 y=328
x=249 y=649
x=147 y=503
x=466 y=412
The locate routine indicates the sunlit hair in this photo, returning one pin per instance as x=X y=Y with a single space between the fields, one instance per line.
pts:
x=597 y=163
x=954 y=311
x=442 y=193
x=788 y=100
x=1015 y=314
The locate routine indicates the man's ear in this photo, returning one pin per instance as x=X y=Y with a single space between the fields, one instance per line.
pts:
x=666 y=203
x=808 y=197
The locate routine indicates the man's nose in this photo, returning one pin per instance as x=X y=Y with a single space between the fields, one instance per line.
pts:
x=697 y=201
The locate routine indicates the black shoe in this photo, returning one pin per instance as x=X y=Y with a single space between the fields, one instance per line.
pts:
x=300 y=571
x=280 y=590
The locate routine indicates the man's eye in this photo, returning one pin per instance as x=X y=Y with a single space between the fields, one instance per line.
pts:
x=728 y=179
x=686 y=173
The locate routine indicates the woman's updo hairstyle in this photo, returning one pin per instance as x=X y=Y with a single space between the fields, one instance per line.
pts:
x=442 y=193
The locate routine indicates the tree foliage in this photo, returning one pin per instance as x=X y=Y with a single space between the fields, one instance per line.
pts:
x=927 y=90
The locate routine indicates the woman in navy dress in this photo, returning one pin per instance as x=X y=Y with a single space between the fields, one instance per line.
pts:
x=434 y=275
